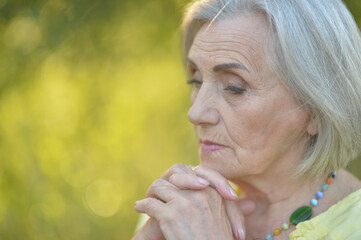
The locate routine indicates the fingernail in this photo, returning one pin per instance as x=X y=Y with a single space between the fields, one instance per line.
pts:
x=233 y=193
x=241 y=233
x=202 y=181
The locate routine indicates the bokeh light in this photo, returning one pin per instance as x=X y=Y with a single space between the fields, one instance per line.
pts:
x=103 y=197
x=23 y=34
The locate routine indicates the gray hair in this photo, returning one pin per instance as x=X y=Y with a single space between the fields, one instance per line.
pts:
x=316 y=53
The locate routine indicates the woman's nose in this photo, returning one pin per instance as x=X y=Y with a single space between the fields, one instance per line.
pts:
x=203 y=109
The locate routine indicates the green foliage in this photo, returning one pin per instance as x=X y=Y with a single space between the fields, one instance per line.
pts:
x=93 y=108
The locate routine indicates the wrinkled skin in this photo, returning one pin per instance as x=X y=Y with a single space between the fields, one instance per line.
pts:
x=263 y=128
x=182 y=203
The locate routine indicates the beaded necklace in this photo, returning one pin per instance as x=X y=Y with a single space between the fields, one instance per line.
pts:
x=303 y=213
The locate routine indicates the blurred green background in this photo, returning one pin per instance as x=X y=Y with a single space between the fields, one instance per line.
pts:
x=93 y=108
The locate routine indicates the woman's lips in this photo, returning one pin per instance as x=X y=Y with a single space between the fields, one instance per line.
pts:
x=210 y=147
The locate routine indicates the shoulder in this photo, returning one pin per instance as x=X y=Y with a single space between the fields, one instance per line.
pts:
x=341 y=220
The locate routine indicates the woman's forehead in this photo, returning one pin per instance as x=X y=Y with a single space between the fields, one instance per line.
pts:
x=239 y=39
x=233 y=35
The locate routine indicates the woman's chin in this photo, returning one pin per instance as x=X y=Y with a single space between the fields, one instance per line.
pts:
x=219 y=165
x=212 y=160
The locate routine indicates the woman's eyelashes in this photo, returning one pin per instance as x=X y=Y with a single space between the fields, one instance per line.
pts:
x=194 y=82
x=235 y=90
x=232 y=89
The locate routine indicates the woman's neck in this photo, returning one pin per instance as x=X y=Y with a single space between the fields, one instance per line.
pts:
x=279 y=190
x=277 y=198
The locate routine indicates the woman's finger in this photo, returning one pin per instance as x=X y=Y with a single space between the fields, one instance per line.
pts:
x=188 y=181
x=236 y=220
x=218 y=182
x=177 y=168
x=162 y=190
x=150 y=206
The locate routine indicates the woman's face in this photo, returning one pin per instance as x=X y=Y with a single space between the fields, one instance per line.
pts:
x=238 y=103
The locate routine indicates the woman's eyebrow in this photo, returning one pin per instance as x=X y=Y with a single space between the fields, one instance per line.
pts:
x=192 y=63
x=226 y=66
x=223 y=66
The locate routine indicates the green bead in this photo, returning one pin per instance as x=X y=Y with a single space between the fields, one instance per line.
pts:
x=300 y=215
x=324 y=187
x=285 y=226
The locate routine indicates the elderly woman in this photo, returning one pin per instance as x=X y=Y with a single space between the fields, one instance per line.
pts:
x=276 y=105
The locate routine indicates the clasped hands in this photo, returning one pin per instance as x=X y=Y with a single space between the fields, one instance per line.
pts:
x=192 y=203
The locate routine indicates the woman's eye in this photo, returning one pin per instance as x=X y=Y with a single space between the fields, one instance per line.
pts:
x=194 y=82
x=235 y=90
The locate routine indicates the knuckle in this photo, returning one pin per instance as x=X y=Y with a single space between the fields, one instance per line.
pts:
x=178 y=165
x=158 y=183
x=153 y=185
x=172 y=177
x=181 y=167
x=148 y=204
x=187 y=167
x=198 y=169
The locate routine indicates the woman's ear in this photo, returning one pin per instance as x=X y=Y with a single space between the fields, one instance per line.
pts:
x=312 y=128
